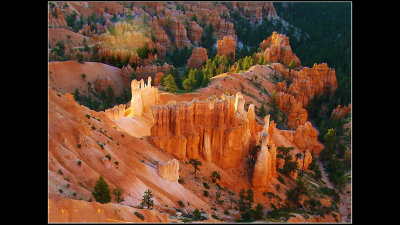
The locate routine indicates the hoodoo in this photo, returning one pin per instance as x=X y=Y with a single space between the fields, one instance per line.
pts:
x=143 y=96
x=217 y=130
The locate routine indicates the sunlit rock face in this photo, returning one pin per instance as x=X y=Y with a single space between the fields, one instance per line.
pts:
x=265 y=166
x=256 y=11
x=226 y=46
x=306 y=138
x=216 y=130
x=340 y=112
x=198 y=58
x=169 y=170
x=277 y=49
x=143 y=96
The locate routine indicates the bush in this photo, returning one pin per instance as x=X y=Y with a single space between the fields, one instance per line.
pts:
x=205 y=193
x=197 y=214
x=79 y=145
x=206 y=186
x=139 y=215
x=181 y=181
x=79 y=163
x=108 y=156
x=181 y=203
x=280 y=178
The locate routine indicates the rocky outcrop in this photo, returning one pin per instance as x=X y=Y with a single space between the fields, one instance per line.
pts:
x=103 y=83
x=306 y=138
x=143 y=97
x=198 y=58
x=151 y=70
x=296 y=114
x=56 y=19
x=195 y=32
x=277 y=49
x=178 y=32
x=307 y=160
x=340 y=112
x=169 y=170
x=116 y=112
x=256 y=11
x=216 y=130
x=226 y=47
x=265 y=166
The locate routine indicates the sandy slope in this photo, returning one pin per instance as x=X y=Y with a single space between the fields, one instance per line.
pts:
x=66 y=76
x=60 y=34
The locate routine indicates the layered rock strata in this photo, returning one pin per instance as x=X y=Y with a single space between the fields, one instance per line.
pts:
x=216 y=130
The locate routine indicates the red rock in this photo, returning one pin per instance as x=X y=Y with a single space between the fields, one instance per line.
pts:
x=340 y=112
x=226 y=47
x=277 y=49
x=198 y=58
x=306 y=138
x=195 y=32
x=158 y=77
x=215 y=130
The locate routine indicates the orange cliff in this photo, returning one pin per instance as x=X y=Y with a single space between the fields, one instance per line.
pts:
x=216 y=130
x=277 y=49
x=226 y=47
x=198 y=58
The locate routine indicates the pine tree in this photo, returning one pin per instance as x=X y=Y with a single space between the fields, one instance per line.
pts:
x=118 y=192
x=259 y=213
x=147 y=200
x=101 y=192
x=195 y=163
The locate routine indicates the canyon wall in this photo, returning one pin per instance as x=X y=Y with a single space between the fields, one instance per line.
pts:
x=216 y=130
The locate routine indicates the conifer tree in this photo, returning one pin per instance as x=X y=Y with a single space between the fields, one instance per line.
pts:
x=101 y=192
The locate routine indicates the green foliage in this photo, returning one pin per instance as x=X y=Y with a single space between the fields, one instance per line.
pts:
x=118 y=192
x=79 y=163
x=280 y=178
x=215 y=176
x=276 y=114
x=139 y=215
x=147 y=200
x=195 y=163
x=206 y=186
x=205 y=193
x=101 y=192
x=190 y=82
x=196 y=214
x=144 y=51
x=259 y=212
x=83 y=77
x=169 y=83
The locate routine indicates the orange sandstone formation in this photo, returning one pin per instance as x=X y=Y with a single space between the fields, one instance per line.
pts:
x=226 y=47
x=265 y=166
x=195 y=32
x=277 y=49
x=306 y=138
x=169 y=170
x=340 y=112
x=143 y=96
x=198 y=58
x=158 y=77
x=215 y=130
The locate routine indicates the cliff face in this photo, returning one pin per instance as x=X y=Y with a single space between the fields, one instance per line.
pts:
x=178 y=32
x=198 y=58
x=215 y=130
x=226 y=46
x=255 y=11
x=143 y=96
x=116 y=112
x=277 y=49
x=265 y=167
x=340 y=112
x=169 y=170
